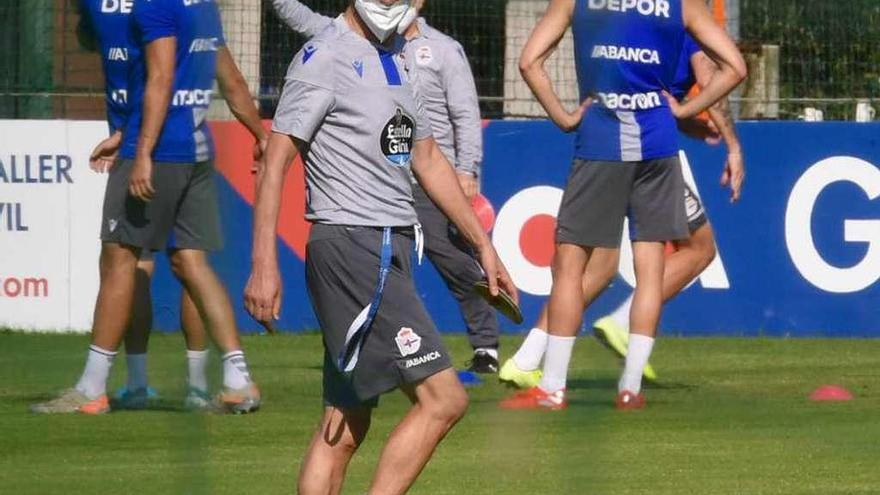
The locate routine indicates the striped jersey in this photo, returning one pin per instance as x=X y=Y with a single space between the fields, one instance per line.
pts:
x=109 y=23
x=627 y=52
x=195 y=24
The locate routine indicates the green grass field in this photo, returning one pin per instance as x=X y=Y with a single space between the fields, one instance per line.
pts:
x=731 y=417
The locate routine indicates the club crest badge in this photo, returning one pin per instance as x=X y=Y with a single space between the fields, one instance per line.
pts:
x=408 y=342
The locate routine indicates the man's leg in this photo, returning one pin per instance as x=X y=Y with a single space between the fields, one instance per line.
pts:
x=112 y=313
x=460 y=271
x=690 y=258
x=334 y=443
x=565 y=310
x=601 y=270
x=137 y=337
x=657 y=215
x=648 y=258
x=195 y=273
x=196 y=337
x=439 y=402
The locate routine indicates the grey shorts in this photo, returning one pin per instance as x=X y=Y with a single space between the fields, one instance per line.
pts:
x=600 y=194
x=696 y=214
x=402 y=346
x=183 y=214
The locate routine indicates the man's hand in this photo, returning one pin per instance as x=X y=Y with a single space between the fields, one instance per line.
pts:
x=496 y=272
x=704 y=130
x=104 y=155
x=676 y=107
x=469 y=184
x=140 y=184
x=570 y=121
x=262 y=295
x=259 y=151
x=734 y=174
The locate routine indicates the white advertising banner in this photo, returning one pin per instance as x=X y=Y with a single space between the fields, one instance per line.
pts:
x=50 y=218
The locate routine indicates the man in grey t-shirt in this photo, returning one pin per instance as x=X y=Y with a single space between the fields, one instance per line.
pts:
x=442 y=77
x=348 y=107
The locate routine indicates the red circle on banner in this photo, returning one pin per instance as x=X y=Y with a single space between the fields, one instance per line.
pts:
x=536 y=240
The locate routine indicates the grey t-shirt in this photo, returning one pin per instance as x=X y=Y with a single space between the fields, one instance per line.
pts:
x=442 y=78
x=352 y=102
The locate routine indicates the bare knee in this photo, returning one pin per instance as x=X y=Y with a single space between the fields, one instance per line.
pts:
x=569 y=263
x=448 y=408
x=117 y=259
x=186 y=262
x=603 y=266
x=703 y=244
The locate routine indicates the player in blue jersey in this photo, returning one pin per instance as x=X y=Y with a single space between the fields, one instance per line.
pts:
x=174 y=207
x=690 y=256
x=106 y=28
x=626 y=160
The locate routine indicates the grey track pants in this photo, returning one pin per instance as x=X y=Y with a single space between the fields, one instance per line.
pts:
x=456 y=264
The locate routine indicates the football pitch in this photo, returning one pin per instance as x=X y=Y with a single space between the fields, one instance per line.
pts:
x=730 y=416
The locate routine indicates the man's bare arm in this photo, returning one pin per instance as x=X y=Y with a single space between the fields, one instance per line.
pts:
x=235 y=91
x=704 y=70
x=734 y=167
x=719 y=47
x=440 y=182
x=160 y=56
x=541 y=44
x=263 y=292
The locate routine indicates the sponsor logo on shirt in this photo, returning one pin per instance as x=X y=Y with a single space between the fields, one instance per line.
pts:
x=627 y=54
x=204 y=45
x=116 y=54
x=358 y=67
x=656 y=8
x=192 y=97
x=119 y=96
x=424 y=55
x=408 y=341
x=396 y=140
x=114 y=6
x=637 y=101
x=427 y=358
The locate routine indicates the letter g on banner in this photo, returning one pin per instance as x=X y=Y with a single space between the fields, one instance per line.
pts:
x=799 y=232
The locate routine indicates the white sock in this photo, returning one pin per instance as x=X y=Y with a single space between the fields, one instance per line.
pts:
x=235 y=370
x=137 y=371
x=197 y=363
x=488 y=350
x=640 y=347
x=93 y=382
x=621 y=314
x=556 y=363
x=528 y=356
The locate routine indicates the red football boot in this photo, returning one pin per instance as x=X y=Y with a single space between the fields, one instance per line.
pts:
x=536 y=398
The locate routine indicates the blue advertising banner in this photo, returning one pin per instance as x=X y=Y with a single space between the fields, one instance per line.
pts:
x=798 y=255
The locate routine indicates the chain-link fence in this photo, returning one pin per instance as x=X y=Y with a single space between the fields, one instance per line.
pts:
x=803 y=54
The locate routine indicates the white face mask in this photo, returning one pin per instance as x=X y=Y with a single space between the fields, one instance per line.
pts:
x=411 y=15
x=382 y=20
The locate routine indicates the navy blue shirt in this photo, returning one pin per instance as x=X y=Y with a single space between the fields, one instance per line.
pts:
x=185 y=137
x=110 y=24
x=626 y=54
